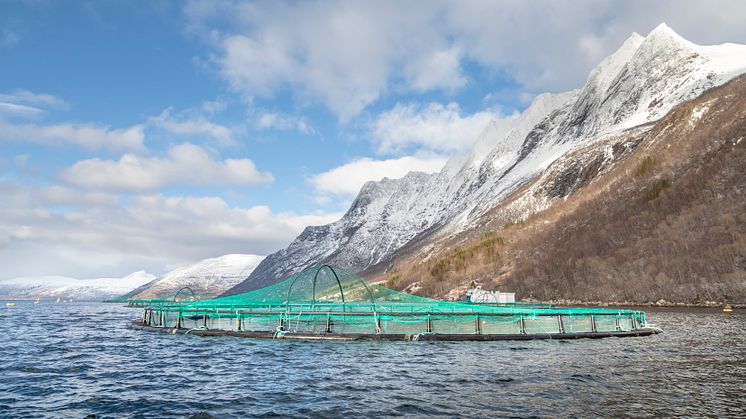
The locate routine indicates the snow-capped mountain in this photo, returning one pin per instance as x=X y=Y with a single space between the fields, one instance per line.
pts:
x=207 y=278
x=638 y=84
x=52 y=287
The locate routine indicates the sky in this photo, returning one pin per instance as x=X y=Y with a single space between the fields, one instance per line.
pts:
x=148 y=135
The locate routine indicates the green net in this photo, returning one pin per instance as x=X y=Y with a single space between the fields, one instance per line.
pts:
x=326 y=299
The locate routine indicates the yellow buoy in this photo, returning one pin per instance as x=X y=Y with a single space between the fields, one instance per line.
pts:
x=10 y=304
x=728 y=308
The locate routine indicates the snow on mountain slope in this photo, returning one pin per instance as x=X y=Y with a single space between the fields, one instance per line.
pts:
x=207 y=278
x=665 y=71
x=638 y=84
x=388 y=214
x=51 y=287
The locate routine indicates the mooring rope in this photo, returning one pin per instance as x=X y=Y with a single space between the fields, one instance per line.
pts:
x=279 y=333
x=652 y=326
x=416 y=336
x=195 y=328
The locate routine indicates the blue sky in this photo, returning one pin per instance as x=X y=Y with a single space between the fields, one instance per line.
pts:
x=146 y=135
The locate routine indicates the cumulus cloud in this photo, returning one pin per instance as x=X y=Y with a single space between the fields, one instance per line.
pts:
x=99 y=235
x=434 y=126
x=88 y=136
x=436 y=70
x=345 y=181
x=344 y=54
x=184 y=164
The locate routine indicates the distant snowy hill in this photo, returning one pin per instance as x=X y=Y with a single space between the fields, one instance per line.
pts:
x=52 y=287
x=635 y=86
x=207 y=278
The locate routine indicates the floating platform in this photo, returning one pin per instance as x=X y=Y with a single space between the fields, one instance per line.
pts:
x=139 y=325
x=331 y=304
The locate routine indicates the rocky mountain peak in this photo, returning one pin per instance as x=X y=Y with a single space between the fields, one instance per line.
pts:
x=607 y=70
x=663 y=35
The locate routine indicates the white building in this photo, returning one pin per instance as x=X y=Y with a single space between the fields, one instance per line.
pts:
x=478 y=295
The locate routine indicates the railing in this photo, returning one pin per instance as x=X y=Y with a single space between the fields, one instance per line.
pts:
x=431 y=322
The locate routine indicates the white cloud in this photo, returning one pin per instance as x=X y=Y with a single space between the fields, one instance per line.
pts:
x=89 y=136
x=22 y=96
x=283 y=122
x=435 y=126
x=343 y=54
x=184 y=164
x=552 y=46
x=322 y=200
x=57 y=195
x=257 y=67
x=212 y=107
x=194 y=126
x=100 y=235
x=25 y=104
x=346 y=180
x=437 y=70
x=17 y=110
x=349 y=54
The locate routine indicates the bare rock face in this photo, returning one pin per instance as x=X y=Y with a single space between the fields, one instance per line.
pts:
x=635 y=86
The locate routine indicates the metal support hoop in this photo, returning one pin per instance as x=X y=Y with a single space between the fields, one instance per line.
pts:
x=194 y=296
x=339 y=284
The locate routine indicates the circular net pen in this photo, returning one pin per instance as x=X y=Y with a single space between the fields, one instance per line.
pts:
x=325 y=302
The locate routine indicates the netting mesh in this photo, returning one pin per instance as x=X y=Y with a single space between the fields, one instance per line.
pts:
x=325 y=299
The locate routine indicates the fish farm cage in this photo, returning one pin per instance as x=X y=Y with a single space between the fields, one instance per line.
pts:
x=325 y=302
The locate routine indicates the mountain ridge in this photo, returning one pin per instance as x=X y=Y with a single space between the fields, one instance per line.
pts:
x=52 y=287
x=650 y=215
x=206 y=278
x=638 y=84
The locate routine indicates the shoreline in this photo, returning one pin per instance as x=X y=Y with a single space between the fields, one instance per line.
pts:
x=658 y=304
x=559 y=303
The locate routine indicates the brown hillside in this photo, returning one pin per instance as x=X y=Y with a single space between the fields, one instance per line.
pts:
x=664 y=219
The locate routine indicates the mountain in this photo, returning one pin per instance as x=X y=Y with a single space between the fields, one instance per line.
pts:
x=207 y=278
x=622 y=97
x=388 y=214
x=52 y=287
x=638 y=216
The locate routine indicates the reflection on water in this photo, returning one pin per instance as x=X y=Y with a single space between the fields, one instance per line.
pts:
x=71 y=360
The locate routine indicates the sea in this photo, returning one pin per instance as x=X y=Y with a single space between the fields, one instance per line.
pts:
x=78 y=360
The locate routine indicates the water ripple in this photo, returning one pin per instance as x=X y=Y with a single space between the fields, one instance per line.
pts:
x=64 y=360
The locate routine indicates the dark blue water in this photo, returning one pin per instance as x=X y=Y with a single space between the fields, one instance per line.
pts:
x=72 y=360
